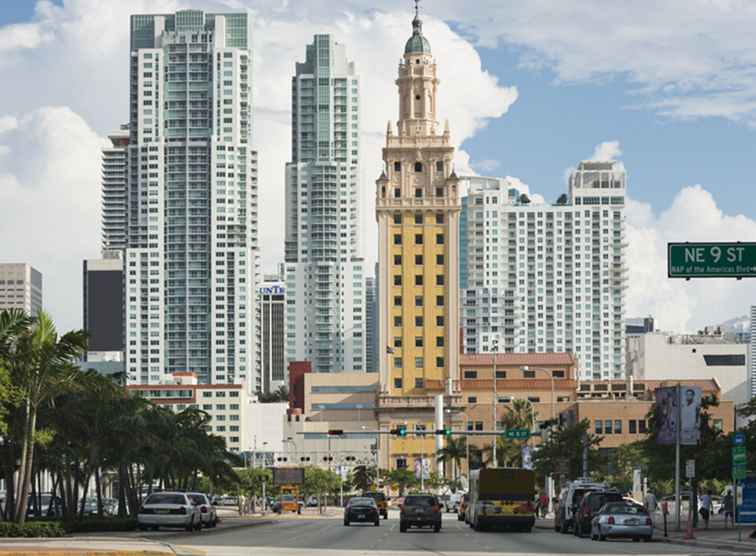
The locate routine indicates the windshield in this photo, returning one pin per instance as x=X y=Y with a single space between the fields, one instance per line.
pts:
x=162 y=498
x=362 y=502
x=624 y=509
x=198 y=498
x=287 y=498
x=377 y=496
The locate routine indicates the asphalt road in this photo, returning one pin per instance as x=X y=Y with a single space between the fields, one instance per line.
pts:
x=321 y=537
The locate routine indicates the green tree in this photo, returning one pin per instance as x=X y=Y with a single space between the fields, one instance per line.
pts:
x=363 y=477
x=562 y=452
x=251 y=481
x=41 y=366
x=280 y=395
x=402 y=480
x=320 y=483
x=454 y=452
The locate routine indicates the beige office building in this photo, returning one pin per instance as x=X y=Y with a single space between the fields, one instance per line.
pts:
x=20 y=287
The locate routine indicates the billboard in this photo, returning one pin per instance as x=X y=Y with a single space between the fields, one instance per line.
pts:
x=288 y=475
x=670 y=409
x=746 y=500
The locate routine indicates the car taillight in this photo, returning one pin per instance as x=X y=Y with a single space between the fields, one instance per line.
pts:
x=648 y=521
x=203 y=509
x=610 y=521
x=434 y=509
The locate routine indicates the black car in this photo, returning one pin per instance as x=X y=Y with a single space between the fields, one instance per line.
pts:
x=420 y=510
x=361 y=510
x=589 y=507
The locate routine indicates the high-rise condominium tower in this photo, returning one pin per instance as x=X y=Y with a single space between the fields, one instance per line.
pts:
x=417 y=208
x=325 y=295
x=547 y=278
x=20 y=288
x=190 y=266
x=114 y=184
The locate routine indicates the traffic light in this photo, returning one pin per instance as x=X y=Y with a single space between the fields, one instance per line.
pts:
x=400 y=430
x=335 y=432
x=446 y=431
x=327 y=458
x=304 y=458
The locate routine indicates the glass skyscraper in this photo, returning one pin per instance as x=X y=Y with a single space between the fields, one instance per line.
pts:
x=325 y=286
x=191 y=252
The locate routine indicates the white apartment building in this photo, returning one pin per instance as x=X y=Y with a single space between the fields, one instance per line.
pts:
x=20 y=288
x=114 y=184
x=673 y=357
x=325 y=284
x=547 y=278
x=191 y=260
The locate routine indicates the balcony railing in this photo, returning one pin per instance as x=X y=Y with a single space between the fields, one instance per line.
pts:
x=386 y=401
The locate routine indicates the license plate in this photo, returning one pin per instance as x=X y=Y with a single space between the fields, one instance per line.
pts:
x=631 y=522
x=361 y=516
x=162 y=511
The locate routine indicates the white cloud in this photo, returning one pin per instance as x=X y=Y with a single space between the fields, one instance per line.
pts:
x=8 y=123
x=486 y=166
x=676 y=304
x=24 y=35
x=608 y=151
x=85 y=67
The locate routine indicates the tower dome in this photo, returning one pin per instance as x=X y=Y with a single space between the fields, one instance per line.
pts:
x=417 y=43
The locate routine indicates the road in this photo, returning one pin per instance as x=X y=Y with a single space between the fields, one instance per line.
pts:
x=320 y=537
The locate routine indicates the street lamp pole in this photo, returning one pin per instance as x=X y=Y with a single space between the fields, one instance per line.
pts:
x=494 y=460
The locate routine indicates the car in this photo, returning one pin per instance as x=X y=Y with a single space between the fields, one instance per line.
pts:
x=49 y=505
x=312 y=502
x=461 y=507
x=208 y=512
x=169 y=509
x=622 y=520
x=453 y=503
x=420 y=510
x=380 y=501
x=362 y=509
x=589 y=506
x=569 y=499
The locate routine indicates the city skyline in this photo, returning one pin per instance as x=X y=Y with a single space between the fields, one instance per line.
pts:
x=657 y=210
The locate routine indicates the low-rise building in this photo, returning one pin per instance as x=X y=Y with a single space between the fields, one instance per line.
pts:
x=669 y=357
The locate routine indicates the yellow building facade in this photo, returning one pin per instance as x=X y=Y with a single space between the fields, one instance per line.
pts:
x=417 y=209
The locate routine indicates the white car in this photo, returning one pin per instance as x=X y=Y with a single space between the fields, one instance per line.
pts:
x=207 y=510
x=169 y=509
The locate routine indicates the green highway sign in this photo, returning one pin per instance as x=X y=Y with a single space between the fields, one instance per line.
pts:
x=739 y=472
x=711 y=260
x=518 y=434
x=738 y=455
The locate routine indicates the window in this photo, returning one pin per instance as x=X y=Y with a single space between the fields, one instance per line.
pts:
x=418 y=239
x=397 y=300
x=439 y=259
x=439 y=301
x=724 y=360
x=397 y=260
x=500 y=375
x=419 y=362
x=397 y=321
x=418 y=321
x=397 y=341
x=418 y=301
x=440 y=362
x=439 y=341
x=471 y=374
x=397 y=239
x=599 y=427
x=397 y=166
x=470 y=425
x=534 y=399
x=397 y=192
x=401 y=463
x=439 y=192
x=617 y=426
x=207 y=394
x=440 y=320
x=557 y=374
x=440 y=239
x=439 y=218
x=608 y=426
x=397 y=219
x=418 y=341
x=419 y=280
x=440 y=280
x=397 y=383
x=419 y=218
x=418 y=383
x=472 y=399
x=418 y=166
x=631 y=426
x=418 y=259
x=397 y=362
x=642 y=426
x=478 y=425
x=528 y=374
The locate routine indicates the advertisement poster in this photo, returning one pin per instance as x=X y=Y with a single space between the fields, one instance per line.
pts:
x=666 y=415
x=687 y=409
x=690 y=431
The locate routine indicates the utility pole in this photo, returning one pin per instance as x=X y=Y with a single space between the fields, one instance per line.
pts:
x=494 y=460
x=585 y=456
x=678 y=502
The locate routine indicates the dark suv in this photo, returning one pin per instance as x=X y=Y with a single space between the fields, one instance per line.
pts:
x=589 y=506
x=420 y=510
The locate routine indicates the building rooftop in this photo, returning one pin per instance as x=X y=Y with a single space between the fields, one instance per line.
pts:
x=518 y=359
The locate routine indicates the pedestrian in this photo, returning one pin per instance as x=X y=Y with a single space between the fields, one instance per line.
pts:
x=650 y=502
x=729 y=508
x=543 y=504
x=705 y=508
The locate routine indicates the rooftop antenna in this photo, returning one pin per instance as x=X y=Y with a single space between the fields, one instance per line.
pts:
x=417 y=8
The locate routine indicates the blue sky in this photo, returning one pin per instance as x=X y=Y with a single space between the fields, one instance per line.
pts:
x=675 y=86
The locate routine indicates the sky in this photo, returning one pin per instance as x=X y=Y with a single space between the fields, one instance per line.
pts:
x=529 y=88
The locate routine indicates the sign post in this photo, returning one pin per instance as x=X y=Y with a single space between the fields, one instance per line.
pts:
x=711 y=260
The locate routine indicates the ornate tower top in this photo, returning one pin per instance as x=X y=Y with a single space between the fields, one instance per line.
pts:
x=417 y=43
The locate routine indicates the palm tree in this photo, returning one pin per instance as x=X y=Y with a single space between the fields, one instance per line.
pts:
x=41 y=366
x=454 y=452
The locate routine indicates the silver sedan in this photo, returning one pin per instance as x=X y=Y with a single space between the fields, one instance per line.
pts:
x=622 y=520
x=169 y=509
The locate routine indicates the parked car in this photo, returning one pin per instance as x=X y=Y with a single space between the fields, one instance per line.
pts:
x=312 y=502
x=569 y=499
x=622 y=520
x=462 y=506
x=169 y=509
x=589 y=506
x=208 y=512
x=420 y=510
x=49 y=505
x=361 y=509
x=453 y=503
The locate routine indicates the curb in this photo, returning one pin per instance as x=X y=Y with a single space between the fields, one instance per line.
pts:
x=206 y=532
x=735 y=546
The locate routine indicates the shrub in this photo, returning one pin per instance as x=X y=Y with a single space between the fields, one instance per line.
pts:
x=32 y=529
x=102 y=525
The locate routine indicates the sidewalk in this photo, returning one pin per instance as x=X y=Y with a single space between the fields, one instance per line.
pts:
x=86 y=547
x=716 y=536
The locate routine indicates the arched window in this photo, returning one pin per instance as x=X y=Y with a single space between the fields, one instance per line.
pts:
x=418 y=166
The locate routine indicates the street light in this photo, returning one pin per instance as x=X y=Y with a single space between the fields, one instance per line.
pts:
x=495 y=347
x=525 y=369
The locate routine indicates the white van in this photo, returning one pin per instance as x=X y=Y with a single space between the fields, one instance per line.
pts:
x=569 y=501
